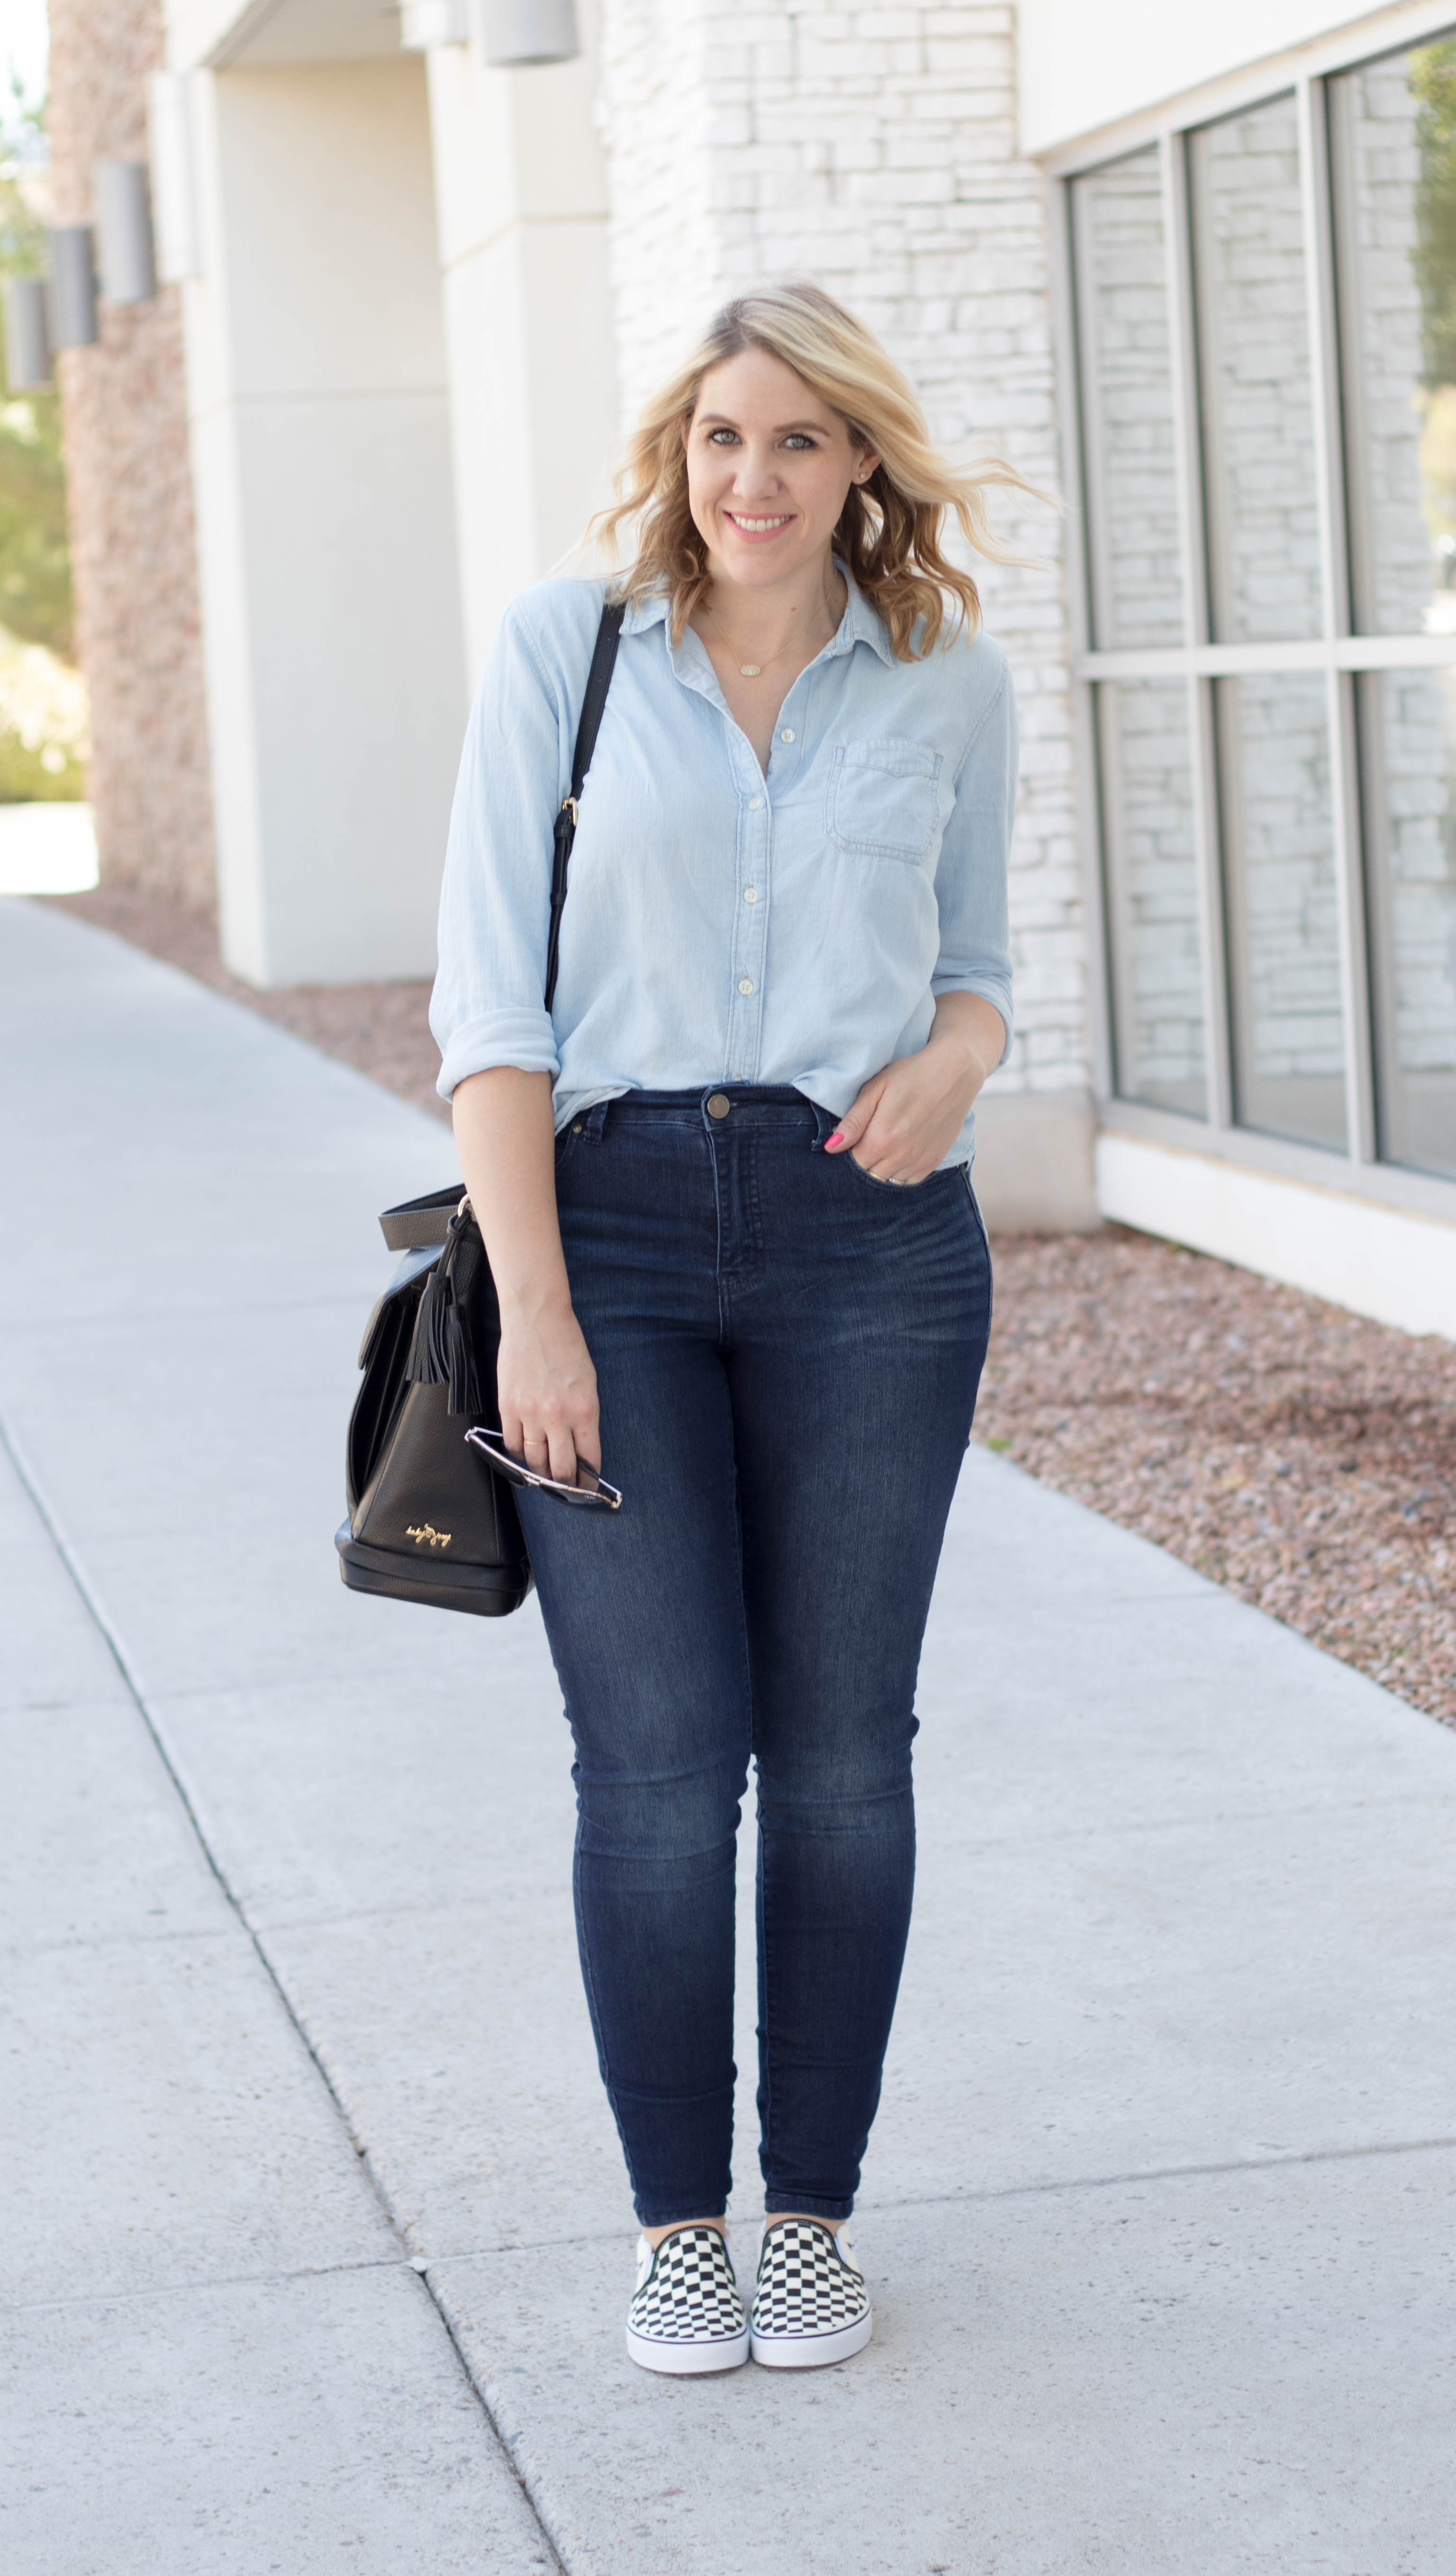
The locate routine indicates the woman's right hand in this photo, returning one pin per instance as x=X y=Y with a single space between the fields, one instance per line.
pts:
x=547 y=1390
x=545 y=1382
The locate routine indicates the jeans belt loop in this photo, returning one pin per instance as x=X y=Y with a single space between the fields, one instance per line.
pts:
x=596 y=1121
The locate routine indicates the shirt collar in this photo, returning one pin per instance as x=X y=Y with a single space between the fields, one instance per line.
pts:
x=642 y=613
x=859 y=625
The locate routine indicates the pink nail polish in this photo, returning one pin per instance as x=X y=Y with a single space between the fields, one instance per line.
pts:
x=831 y=1141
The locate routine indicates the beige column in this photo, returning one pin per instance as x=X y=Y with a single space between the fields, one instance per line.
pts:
x=320 y=452
x=521 y=194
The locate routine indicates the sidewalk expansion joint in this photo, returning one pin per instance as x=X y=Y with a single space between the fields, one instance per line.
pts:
x=869 y=2209
x=198 y=2284
x=136 y=1939
x=342 y=1301
x=1178 y=1821
x=1168 y=2173
x=559 y=2557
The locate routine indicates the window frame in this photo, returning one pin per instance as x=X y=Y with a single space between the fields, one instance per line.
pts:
x=1338 y=653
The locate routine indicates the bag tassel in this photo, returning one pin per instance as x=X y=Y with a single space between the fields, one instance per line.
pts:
x=442 y=1348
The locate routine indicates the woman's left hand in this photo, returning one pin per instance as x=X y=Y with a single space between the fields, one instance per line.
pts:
x=906 y=1119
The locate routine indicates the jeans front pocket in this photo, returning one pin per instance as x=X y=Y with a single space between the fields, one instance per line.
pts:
x=900 y=1189
x=884 y=798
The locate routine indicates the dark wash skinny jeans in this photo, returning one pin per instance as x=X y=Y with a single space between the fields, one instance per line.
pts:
x=787 y=1353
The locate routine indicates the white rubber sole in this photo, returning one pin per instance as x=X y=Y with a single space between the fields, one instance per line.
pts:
x=813 y=2352
x=688 y=2360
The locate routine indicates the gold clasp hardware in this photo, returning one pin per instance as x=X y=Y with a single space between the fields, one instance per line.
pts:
x=569 y=806
x=436 y=1538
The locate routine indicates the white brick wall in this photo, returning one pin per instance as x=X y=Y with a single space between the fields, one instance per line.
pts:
x=874 y=149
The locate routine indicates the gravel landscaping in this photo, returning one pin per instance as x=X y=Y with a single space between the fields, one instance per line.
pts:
x=1293 y=1452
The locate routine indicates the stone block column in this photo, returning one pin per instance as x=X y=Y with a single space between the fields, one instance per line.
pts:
x=133 y=541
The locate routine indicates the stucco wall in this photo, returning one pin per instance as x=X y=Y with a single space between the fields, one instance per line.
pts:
x=328 y=541
x=875 y=150
x=125 y=428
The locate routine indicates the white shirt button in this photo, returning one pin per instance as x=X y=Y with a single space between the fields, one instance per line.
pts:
x=750 y=894
x=746 y=986
x=754 y=803
x=788 y=734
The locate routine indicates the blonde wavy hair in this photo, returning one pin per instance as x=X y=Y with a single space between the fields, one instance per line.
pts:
x=890 y=528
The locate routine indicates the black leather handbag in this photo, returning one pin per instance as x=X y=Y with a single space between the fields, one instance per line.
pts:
x=429 y=1519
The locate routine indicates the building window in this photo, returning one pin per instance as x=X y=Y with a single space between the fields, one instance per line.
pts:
x=1264 y=310
x=1282 y=905
x=1152 y=891
x=1251 y=298
x=1127 y=404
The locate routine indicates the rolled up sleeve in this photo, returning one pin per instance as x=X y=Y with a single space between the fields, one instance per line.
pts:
x=971 y=877
x=488 y=1007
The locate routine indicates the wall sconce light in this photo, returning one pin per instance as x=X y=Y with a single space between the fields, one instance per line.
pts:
x=124 y=232
x=27 y=341
x=424 y=24
x=513 y=32
x=71 y=286
x=58 y=311
x=174 y=184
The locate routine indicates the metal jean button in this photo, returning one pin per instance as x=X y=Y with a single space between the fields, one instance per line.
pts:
x=718 y=1104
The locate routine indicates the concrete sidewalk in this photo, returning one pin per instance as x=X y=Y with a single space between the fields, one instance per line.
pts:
x=320 y=2245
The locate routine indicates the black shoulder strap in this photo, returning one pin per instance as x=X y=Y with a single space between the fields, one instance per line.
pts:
x=598 y=681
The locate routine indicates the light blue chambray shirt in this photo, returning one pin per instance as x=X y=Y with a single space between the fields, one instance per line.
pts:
x=722 y=925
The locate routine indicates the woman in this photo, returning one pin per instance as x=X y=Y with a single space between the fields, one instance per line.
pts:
x=725 y=1192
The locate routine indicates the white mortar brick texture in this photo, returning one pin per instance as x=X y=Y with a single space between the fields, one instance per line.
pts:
x=875 y=150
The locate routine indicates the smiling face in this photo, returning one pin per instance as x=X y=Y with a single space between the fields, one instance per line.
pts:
x=769 y=465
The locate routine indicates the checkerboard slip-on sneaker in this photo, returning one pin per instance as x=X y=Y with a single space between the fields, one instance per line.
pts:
x=687 y=2315
x=811 y=2305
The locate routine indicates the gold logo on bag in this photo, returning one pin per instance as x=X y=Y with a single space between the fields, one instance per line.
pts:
x=436 y=1538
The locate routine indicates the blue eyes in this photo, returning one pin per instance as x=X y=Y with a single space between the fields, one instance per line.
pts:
x=729 y=438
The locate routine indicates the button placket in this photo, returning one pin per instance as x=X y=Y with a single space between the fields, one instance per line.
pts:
x=754 y=846
x=789 y=744
x=745 y=1014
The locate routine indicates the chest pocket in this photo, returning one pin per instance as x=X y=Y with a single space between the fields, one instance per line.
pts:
x=884 y=798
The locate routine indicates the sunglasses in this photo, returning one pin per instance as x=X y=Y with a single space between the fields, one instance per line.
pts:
x=590 y=1493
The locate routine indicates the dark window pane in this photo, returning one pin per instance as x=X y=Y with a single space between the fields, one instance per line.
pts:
x=1284 y=963
x=1408 y=769
x=1254 y=364
x=1393 y=159
x=1125 y=358
x=1152 y=893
